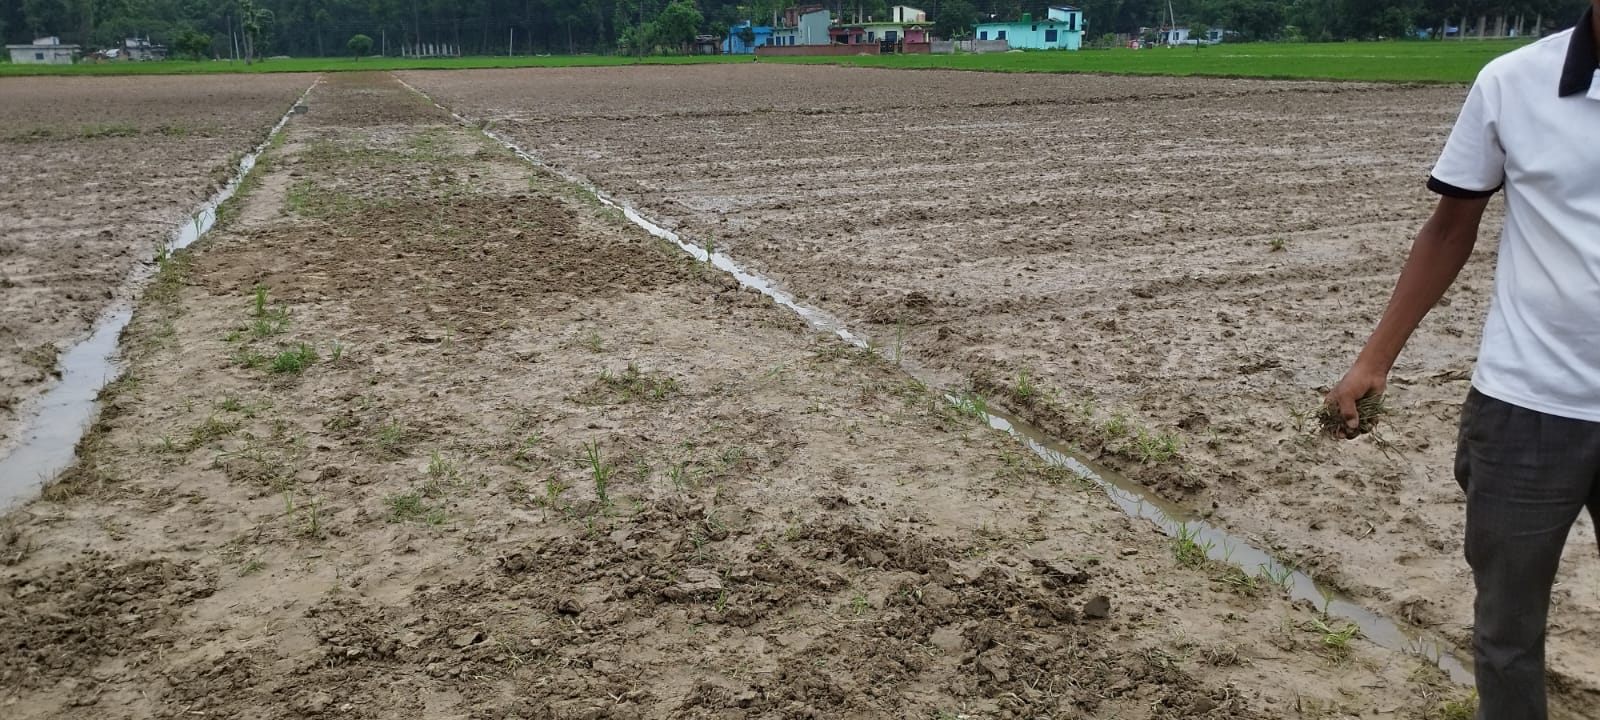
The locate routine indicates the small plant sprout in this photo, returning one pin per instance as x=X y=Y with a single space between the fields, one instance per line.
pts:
x=1187 y=547
x=405 y=507
x=391 y=437
x=711 y=248
x=312 y=525
x=294 y=360
x=721 y=604
x=1025 y=387
x=859 y=604
x=1336 y=640
x=1279 y=244
x=600 y=470
x=973 y=404
x=260 y=309
x=1278 y=574
x=1156 y=447
x=336 y=352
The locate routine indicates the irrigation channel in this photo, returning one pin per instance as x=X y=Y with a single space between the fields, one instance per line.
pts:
x=1133 y=499
x=48 y=441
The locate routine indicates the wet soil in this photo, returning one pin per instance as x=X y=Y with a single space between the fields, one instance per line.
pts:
x=98 y=172
x=422 y=432
x=1166 y=272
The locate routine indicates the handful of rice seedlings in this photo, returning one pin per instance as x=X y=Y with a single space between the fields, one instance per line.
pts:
x=1371 y=409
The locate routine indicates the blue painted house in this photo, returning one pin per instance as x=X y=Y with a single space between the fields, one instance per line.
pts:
x=1062 y=29
x=734 y=45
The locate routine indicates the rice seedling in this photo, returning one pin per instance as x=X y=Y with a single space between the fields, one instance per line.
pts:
x=408 y=506
x=859 y=604
x=311 y=525
x=1279 y=244
x=1371 y=409
x=391 y=438
x=1189 y=549
x=1277 y=574
x=973 y=404
x=633 y=384
x=260 y=308
x=1335 y=641
x=210 y=430
x=253 y=566
x=1156 y=447
x=1241 y=582
x=336 y=352
x=721 y=603
x=594 y=343
x=1025 y=388
x=600 y=471
x=295 y=360
x=1117 y=426
x=230 y=403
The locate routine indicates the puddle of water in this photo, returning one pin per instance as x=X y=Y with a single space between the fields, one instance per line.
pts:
x=48 y=440
x=1133 y=500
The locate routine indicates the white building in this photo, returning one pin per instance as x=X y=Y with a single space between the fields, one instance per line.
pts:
x=807 y=28
x=43 y=51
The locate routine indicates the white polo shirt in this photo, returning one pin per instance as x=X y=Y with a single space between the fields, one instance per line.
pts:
x=1531 y=124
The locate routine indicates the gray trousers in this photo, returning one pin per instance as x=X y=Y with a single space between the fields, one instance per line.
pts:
x=1527 y=475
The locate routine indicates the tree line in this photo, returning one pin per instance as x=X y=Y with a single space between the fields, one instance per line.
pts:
x=224 y=28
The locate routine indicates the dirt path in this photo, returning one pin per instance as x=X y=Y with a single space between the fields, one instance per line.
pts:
x=1165 y=271
x=423 y=433
x=97 y=173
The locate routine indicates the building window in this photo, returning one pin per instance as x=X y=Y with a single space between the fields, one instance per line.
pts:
x=1034 y=28
x=983 y=34
x=891 y=35
x=38 y=56
x=1000 y=35
x=1072 y=22
x=1050 y=35
x=872 y=37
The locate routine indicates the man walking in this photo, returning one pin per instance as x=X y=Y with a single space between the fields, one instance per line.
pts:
x=1528 y=452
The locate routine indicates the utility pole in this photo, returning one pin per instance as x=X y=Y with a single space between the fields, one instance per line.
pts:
x=384 y=33
x=511 y=43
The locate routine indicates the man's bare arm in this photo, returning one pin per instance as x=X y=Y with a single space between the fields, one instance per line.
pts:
x=1437 y=256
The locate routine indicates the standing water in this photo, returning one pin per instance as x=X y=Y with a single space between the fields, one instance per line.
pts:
x=52 y=425
x=1128 y=496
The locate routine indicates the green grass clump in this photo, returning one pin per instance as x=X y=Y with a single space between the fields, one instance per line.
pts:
x=294 y=360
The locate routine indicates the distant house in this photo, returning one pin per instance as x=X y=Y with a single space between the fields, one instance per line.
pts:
x=905 y=25
x=735 y=45
x=43 y=51
x=135 y=48
x=803 y=26
x=1062 y=29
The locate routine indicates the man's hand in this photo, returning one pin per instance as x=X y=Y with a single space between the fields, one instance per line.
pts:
x=1362 y=381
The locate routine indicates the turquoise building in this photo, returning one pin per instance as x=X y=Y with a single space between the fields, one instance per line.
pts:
x=1061 y=30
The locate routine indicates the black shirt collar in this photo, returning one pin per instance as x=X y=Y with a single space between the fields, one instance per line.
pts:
x=1578 y=71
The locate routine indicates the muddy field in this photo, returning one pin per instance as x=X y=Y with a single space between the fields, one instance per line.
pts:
x=420 y=431
x=98 y=172
x=1167 y=272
